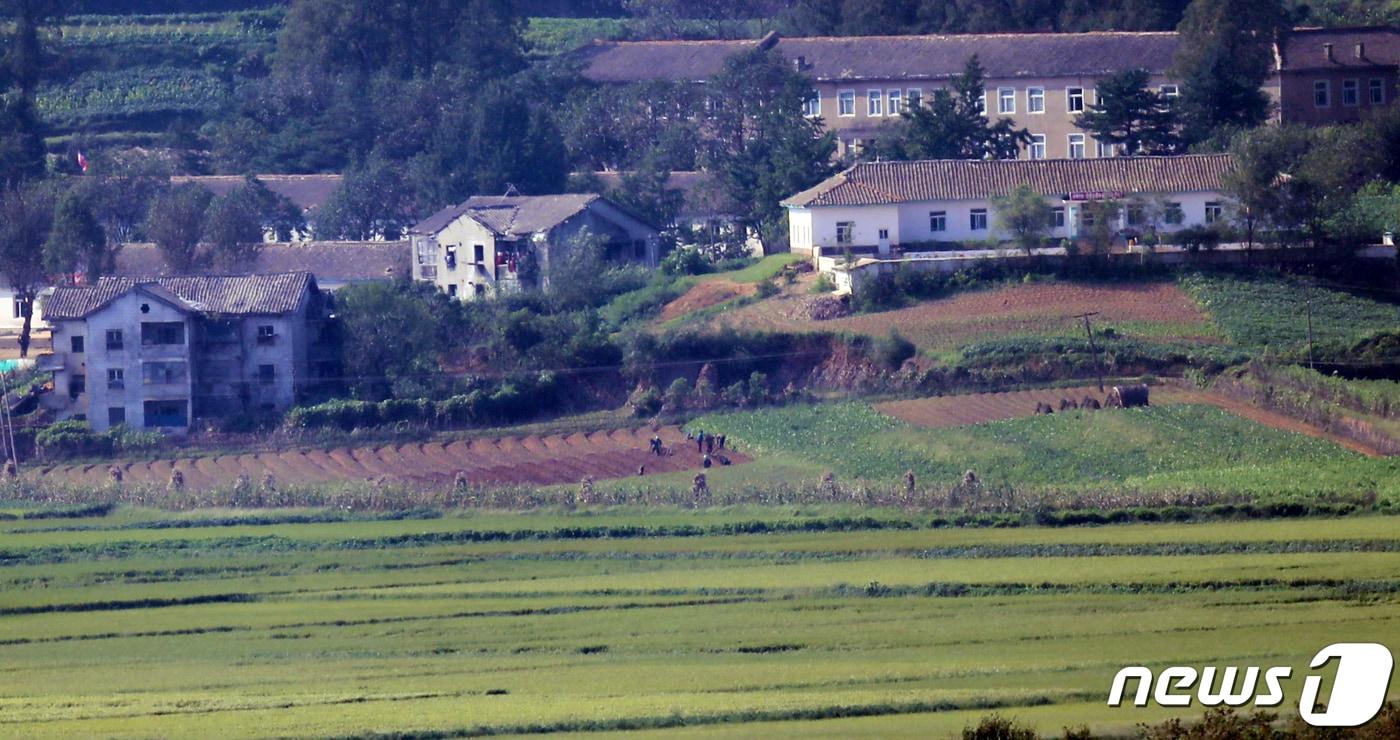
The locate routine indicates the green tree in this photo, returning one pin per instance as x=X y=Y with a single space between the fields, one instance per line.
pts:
x=645 y=191
x=77 y=241
x=952 y=125
x=175 y=223
x=233 y=229
x=1225 y=54
x=760 y=146
x=1024 y=214
x=23 y=62
x=393 y=337
x=276 y=214
x=26 y=216
x=1129 y=115
x=372 y=201
x=493 y=142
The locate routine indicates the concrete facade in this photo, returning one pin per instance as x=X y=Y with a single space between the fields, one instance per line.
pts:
x=151 y=360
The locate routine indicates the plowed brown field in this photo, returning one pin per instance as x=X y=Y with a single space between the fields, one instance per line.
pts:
x=1141 y=309
x=977 y=408
x=536 y=460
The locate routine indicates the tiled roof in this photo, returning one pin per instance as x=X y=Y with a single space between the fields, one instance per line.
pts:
x=1305 y=48
x=308 y=192
x=330 y=262
x=884 y=183
x=511 y=216
x=1003 y=55
x=252 y=295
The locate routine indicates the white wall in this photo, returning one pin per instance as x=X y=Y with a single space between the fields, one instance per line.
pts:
x=909 y=223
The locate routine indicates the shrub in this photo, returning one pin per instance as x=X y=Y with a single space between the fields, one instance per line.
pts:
x=893 y=350
x=72 y=439
x=768 y=289
x=824 y=284
x=684 y=261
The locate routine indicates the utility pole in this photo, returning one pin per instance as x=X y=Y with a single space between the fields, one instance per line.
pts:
x=1089 y=331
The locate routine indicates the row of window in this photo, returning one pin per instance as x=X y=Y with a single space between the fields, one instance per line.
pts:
x=1351 y=92
x=891 y=102
x=157 y=373
x=977 y=219
x=157 y=413
x=161 y=334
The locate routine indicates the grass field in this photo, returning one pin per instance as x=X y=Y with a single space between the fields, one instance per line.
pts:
x=1181 y=447
x=343 y=629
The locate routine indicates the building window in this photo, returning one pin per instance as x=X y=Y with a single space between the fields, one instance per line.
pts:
x=846 y=103
x=452 y=291
x=1135 y=215
x=1006 y=100
x=1035 y=100
x=982 y=103
x=116 y=416
x=19 y=304
x=116 y=379
x=1058 y=217
x=1174 y=214
x=479 y=254
x=1214 y=212
x=938 y=221
x=1086 y=216
x=812 y=106
x=267 y=334
x=977 y=220
x=1322 y=94
x=914 y=98
x=76 y=344
x=1076 y=146
x=115 y=340
x=1037 y=146
x=166 y=414
x=162 y=373
x=884 y=234
x=845 y=231
x=77 y=385
x=1074 y=100
x=1351 y=92
x=1169 y=91
x=1377 y=87
x=162 y=333
x=451 y=257
x=896 y=101
x=267 y=374
x=874 y=103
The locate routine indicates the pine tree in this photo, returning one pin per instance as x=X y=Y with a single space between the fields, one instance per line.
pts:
x=953 y=125
x=1225 y=54
x=1128 y=115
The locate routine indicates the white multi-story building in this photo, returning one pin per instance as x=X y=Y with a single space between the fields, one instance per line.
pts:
x=491 y=245
x=881 y=208
x=157 y=353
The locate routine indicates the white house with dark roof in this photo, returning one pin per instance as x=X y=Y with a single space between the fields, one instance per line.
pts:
x=489 y=245
x=884 y=208
x=158 y=353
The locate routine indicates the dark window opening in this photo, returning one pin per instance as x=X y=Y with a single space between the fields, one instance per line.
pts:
x=116 y=416
x=115 y=341
x=166 y=414
x=162 y=333
x=77 y=345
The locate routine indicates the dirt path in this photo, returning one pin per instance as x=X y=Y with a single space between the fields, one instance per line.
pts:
x=702 y=296
x=978 y=408
x=501 y=461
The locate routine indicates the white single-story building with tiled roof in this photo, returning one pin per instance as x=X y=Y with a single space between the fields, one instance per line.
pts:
x=878 y=208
